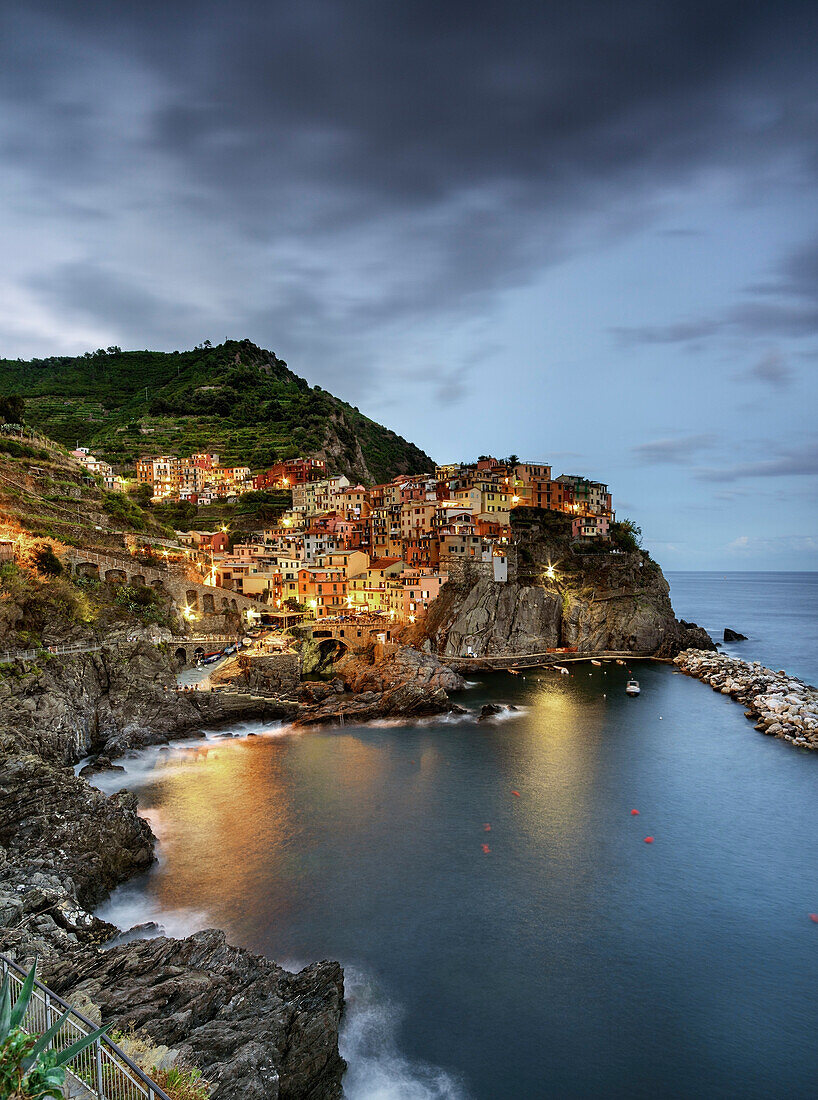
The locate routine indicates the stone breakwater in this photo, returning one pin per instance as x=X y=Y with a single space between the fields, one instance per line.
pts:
x=782 y=705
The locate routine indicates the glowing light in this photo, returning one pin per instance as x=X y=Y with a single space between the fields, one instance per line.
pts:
x=187 y=613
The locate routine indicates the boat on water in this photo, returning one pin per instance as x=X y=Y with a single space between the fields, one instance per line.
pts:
x=619 y=661
x=595 y=662
x=632 y=687
x=562 y=670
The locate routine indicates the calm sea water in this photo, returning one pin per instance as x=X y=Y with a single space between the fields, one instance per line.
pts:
x=777 y=611
x=571 y=959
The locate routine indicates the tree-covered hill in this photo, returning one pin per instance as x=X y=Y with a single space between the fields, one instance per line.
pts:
x=235 y=399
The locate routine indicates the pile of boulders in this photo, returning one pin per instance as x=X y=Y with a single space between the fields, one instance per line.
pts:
x=782 y=705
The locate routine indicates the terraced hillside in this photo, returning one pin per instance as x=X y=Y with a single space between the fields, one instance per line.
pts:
x=235 y=399
x=46 y=494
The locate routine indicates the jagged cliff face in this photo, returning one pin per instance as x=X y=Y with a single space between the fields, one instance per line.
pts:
x=63 y=708
x=595 y=603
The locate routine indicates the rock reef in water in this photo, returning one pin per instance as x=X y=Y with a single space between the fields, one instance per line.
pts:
x=782 y=705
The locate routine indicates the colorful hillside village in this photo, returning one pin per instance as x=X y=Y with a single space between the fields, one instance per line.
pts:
x=346 y=550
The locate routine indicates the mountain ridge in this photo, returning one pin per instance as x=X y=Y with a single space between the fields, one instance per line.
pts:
x=235 y=398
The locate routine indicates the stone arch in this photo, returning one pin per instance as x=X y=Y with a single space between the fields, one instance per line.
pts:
x=208 y=606
x=192 y=599
x=138 y=579
x=233 y=605
x=332 y=649
x=157 y=583
x=181 y=655
x=87 y=569
x=116 y=576
x=198 y=653
x=225 y=603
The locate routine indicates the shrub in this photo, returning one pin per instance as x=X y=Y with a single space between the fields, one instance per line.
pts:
x=182 y=1084
x=45 y=561
x=625 y=535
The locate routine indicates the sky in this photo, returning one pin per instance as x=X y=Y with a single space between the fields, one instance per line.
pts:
x=582 y=232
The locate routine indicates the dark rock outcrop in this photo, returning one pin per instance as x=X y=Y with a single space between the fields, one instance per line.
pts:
x=733 y=635
x=255 y=1030
x=407 y=683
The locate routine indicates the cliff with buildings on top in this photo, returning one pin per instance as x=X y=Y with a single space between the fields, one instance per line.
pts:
x=560 y=594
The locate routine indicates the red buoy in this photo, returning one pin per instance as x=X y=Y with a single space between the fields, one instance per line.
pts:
x=487 y=828
x=516 y=793
x=648 y=840
x=485 y=848
x=814 y=917
x=634 y=813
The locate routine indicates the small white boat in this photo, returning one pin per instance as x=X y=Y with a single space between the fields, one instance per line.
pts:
x=619 y=662
x=597 y=663
x=562 y=670
x=632 y=687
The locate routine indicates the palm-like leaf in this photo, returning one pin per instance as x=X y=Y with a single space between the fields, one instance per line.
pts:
x=80 y=1045
x=5 y=1010
x=21 y=1004
x=44 y=1040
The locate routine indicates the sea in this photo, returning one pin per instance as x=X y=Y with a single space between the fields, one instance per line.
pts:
x=509 y=927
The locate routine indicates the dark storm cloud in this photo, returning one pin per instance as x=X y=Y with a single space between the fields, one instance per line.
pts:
x=371 y=165
x=88 y=290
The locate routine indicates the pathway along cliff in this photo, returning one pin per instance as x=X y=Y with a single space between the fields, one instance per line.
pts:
x=253 y=1028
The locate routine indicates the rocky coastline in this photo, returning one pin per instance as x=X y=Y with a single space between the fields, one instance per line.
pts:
x=783 y=706
x=254 y=1029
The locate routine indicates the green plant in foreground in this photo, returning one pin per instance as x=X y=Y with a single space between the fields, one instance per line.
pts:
x=28 y=1069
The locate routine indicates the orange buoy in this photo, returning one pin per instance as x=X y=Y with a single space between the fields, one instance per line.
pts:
x=487 y=828
x=814 y=917
x=648 y=840
x=485 y=848
x=516 y=794
x=634 y=813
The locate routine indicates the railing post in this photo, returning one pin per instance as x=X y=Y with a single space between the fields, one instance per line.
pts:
x=98 y=1050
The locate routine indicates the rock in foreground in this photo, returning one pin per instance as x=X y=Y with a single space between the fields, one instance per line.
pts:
x=256 y=1031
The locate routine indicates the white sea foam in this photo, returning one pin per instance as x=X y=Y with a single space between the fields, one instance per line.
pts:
x=146 y=765
x=130 y=905
x=377 y=1070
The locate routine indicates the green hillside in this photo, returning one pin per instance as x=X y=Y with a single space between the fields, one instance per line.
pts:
x=235 y=399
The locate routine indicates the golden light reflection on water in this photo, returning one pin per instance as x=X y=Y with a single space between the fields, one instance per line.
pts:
x=251 y=818
x=213 y=814
x=560 y=750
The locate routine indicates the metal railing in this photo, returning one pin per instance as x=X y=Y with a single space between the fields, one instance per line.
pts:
x=8 y=655
x=102 y=1071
